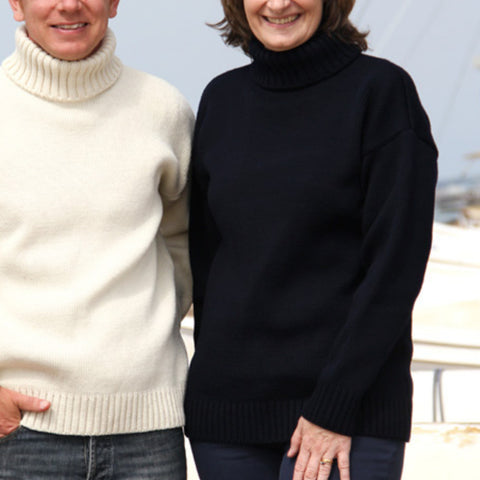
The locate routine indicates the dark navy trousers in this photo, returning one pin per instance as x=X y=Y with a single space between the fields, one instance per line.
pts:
x=370 y=459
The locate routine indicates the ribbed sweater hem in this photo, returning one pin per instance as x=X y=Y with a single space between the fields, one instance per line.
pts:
x=272 y=421
x=388 y=418
x=106 y=414
x=268 y=421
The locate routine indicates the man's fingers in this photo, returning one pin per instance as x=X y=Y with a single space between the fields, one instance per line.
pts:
x=11 y=406
x=29 y=404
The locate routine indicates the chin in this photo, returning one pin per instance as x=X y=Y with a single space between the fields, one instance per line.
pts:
x=70 y=56
x=282 y=45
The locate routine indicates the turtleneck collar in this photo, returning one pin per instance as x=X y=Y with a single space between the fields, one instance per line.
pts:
x=318 y=58
x=39 y=73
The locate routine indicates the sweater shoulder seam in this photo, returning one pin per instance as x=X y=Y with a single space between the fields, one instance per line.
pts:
x=393 y=137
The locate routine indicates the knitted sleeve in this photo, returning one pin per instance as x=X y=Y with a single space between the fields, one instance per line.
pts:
x=399 y=177
x=174 y=224
x=204 y=236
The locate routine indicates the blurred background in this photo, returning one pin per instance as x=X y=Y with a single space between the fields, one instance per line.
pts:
x=438 y=43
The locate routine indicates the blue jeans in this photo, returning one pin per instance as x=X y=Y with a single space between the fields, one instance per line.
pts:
x=31 y=455
x=370 y=459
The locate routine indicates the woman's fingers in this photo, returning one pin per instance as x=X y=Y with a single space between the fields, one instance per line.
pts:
x=301 y=463
x=311 y=472
x=325 y=465
x=295 y=442
x=317 y=449
x=343 y=464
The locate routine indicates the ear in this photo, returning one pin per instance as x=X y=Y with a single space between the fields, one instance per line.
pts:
x=113 y=7
x=17 y=10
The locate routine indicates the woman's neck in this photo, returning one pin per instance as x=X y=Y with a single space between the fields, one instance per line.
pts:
x=318 y=58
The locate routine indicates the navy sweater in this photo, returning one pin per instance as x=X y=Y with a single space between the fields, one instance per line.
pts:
x=314 y=173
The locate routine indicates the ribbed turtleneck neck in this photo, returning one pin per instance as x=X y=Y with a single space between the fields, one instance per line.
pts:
x=311 y=62
x=39 y=73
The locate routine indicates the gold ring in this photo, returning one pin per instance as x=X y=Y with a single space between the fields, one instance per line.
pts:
x=326 y=461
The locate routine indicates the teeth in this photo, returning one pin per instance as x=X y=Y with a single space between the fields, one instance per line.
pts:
x=71 y=27
x=282 y=21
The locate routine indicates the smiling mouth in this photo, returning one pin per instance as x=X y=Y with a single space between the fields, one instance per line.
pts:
x=283 y=20
x=75 y=26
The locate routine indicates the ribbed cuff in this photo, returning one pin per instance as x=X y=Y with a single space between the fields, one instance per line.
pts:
x=333 y=408
x=75 y=414
x=337 y=410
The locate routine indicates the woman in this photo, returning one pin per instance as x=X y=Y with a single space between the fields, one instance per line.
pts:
x=94 y=274
x=313 y=185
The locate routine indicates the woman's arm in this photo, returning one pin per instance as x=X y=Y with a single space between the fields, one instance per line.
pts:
x=398 y=179
x=397 y=228
x=203 y=233
x=204 y=240
x=398 y=183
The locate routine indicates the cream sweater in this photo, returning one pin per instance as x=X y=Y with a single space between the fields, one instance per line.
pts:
x=94 y=275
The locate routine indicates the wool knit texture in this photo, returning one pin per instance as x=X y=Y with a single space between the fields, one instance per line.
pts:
x=94 y=274
x=313 y=183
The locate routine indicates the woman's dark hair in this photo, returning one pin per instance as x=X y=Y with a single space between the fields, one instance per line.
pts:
x=335 y=22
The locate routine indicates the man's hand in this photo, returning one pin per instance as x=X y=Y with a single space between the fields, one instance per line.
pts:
x=11 y=406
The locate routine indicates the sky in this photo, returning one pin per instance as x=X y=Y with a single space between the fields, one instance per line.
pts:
x=436 y=41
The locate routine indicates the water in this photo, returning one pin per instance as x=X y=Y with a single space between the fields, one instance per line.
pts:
x=453 y=196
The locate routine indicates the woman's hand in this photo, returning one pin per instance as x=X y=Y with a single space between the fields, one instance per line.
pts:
x=316 y=449
x=11 y=406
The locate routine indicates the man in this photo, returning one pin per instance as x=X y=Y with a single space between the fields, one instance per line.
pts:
x=94 y=276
